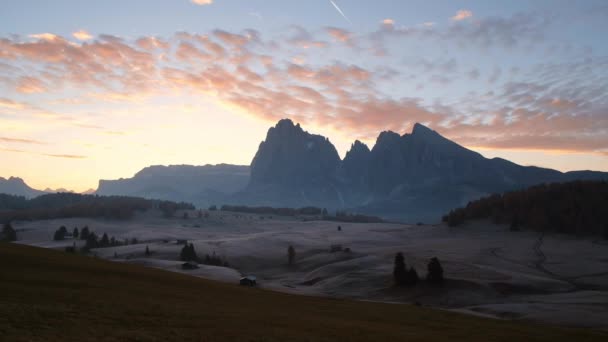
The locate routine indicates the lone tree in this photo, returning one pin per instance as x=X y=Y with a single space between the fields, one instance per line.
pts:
x=188 y=253
x=412 y=277
x=147 y=251
x=291 y=255
x=92 y=241
x=84 y=234
x=105 y=241
x=75 y=233
x=60 y=233
x=8 y=233
x=399 y=271
x=435 y=271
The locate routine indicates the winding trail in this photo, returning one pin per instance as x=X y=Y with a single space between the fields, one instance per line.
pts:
x=539 y=265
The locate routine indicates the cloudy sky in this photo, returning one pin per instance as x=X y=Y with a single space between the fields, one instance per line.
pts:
x=95 y=90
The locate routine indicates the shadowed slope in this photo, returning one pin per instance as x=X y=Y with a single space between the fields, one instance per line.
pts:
x=49 y=295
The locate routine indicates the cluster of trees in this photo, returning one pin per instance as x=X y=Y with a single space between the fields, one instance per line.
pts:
x=409 y=277
x=169 y=208
x=402 y=275
x=10 y=202
x=343 y=216
x=577 y=207
x=60 y=233
x=64 y=205
x=215 y=260
x=188 y=253
x=92 y=240
x=8 y=233
x=340 y=216
x=274 y=211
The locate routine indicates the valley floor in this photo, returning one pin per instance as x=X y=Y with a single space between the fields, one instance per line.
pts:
x=491 y=272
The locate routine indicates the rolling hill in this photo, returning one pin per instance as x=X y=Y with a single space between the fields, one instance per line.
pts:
x=49 y=295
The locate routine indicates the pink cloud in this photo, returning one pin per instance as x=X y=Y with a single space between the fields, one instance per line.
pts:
x=242 y=70
x=339 y=34
x=29 y=85
x=462 y=15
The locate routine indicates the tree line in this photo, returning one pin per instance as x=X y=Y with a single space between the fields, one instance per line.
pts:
x=578 y=207
x=65 y=205
x=409 y=277
x=340 y=216
x=188 y=253
x=273 y=211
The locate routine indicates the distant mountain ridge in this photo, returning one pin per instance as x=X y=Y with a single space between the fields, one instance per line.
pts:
x=16 y=186
x=201 y=185
x=416 y=176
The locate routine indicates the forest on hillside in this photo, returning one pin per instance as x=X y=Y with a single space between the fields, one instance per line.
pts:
x=578 y=207
x=64 y=205
x=340 y=216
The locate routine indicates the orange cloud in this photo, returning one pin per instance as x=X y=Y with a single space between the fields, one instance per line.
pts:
x=243 y=71
x=202 y=2
x=45 y=36
x=82 y=35
x=29 y=85
x=10 y=104
x=339 y=34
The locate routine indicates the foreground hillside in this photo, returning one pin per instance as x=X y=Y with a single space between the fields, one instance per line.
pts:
x=48 y=296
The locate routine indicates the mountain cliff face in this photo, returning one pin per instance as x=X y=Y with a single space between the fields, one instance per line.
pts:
x=291 y=157
x=293 y=168
x=16 y=186
x=413 y=177
x=200 y=185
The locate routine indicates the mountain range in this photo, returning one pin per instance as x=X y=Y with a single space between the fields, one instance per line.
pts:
x=411 y=177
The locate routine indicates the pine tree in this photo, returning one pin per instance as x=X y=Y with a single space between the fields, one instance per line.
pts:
x=8 y=232
x=147 y=251
x=188 y=253
x=75 y=233
x=291 y=255
x=435 y=271
x=84 y=234
x=399 y=270
x=60 y=233
x=92 y=241
x=105 y=241
x=412 y=277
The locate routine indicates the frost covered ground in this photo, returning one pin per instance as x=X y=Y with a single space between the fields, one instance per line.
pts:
x=491 y=271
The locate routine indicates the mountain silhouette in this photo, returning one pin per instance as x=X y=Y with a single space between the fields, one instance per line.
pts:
x=417 y=176
x=16 y=186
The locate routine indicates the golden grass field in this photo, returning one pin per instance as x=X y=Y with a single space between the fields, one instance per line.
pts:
x=48 y=295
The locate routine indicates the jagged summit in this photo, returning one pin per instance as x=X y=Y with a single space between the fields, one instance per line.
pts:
x=291 y=156
x=421 y=129
x=17 y=186
x=358 y=147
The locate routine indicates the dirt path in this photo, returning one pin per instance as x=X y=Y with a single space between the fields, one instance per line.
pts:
x=539 y=265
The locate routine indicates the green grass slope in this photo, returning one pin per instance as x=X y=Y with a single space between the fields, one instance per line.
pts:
x=47 y=295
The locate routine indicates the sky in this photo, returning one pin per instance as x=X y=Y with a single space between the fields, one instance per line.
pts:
x=95 y=90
